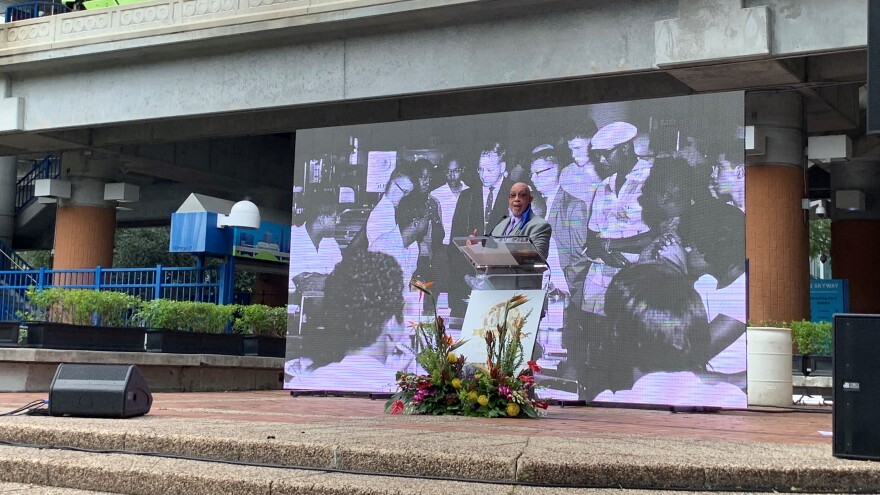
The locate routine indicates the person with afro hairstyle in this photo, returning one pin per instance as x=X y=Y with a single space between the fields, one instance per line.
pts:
x=357 y=340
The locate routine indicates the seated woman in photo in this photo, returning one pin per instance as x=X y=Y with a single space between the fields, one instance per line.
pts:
x=357 y=342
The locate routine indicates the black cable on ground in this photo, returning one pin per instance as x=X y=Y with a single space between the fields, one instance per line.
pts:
x=423 y=477
x=30 y=406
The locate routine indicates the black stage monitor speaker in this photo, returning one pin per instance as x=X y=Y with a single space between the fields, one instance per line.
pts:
x=856 y=381
x=99 y=390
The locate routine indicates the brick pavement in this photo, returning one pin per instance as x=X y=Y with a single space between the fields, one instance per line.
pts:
x=764 y=425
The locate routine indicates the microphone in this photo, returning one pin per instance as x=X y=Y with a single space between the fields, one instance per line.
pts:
x=493 y=227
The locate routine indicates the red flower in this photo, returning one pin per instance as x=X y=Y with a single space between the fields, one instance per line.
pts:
x=534 y=366
x=397 y=407
x=542 y=404
x=528 y=379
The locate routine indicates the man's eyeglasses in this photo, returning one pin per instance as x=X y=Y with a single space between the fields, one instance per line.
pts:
x=539 y=172
x=597 y=155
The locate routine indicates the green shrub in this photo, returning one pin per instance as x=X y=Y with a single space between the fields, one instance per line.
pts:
x=81 y=306
x=812 y=338
x=185 y=315
x=258 y=319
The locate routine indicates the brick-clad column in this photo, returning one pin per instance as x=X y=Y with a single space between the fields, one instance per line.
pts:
x=854 y=254
x=777 y=233
x=85 y=224
x=84 y=237
x=777 y=244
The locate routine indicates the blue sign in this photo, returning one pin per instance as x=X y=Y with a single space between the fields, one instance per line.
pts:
x=828 y=297
x=271 y=242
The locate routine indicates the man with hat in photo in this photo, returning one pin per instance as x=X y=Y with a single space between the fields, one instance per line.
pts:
x=616 y=231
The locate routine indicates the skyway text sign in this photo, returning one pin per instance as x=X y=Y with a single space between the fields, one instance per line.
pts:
x=828 y=297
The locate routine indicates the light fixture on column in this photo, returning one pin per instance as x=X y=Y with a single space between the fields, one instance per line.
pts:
x=243 y=214
x=122 y=192
x=50 y=190
x=827 y=149
x=850 y=200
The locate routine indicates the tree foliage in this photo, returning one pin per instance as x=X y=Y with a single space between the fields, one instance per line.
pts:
x=820 y=237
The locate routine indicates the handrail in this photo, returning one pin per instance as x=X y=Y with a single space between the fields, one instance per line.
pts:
x=22 y=11
x=10 y=259
x=204 y=284
x=47 y=168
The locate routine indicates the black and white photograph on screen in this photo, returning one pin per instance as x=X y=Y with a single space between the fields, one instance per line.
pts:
x=646 y=300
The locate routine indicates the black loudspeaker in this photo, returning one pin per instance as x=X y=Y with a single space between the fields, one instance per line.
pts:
x=856 y=381
x=99 y=390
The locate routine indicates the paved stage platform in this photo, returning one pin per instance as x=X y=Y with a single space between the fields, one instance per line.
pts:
x=271 y=443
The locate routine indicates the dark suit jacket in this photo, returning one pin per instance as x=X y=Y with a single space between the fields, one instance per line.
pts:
x=467 y=217
x=469 y=210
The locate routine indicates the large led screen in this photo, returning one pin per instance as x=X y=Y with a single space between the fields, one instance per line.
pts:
x=647 y=293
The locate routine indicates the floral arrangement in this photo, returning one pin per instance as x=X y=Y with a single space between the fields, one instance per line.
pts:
x=452 y=386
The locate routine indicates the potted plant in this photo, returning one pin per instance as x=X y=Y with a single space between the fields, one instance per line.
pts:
x=452 y=386
x=812 y=343
x=187 y=327
x=82 y=319
x=263 y=328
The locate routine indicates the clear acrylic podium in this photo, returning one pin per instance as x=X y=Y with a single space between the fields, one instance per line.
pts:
x=504 y=267
x=504 y=263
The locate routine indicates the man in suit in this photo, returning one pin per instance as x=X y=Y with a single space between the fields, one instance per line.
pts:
x=522 y=221
x=477 y=210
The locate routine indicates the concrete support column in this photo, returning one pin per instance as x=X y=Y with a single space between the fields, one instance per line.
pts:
x=7 y=198
x=777 y=233
x=855 y=233
x=85 y=224
x=854 y=251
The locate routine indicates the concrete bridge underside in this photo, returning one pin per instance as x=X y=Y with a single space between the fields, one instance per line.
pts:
x=206 y=95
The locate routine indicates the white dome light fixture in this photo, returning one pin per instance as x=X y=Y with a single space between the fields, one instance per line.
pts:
x=243 y=214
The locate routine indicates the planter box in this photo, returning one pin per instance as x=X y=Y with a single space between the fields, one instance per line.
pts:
x=9 y=333
x=261 y=345
x=178 y=342
x=819 y=365
x=47 y=335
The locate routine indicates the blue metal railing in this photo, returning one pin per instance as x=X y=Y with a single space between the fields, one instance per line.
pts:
x=10 y=260
x=203 y=284
x=22 y=11
x=47 y=168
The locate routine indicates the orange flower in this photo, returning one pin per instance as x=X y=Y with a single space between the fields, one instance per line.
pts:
x=422 y=286
x=517 y=300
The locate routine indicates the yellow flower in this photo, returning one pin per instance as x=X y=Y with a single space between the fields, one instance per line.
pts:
x=451 y=358
x=512 y=409
x=478 y=376
x=472 y=396
x=456 y=383
x=482 y=400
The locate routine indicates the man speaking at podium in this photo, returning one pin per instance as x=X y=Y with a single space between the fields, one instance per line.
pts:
x=521 y=221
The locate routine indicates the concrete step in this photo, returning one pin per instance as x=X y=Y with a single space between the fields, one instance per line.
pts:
x=29 y=489
x=405 y=448
x=55 y=472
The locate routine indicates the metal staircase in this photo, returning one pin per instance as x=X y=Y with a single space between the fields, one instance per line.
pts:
x=13 y=279
x=47 y=168
x=33 y=219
